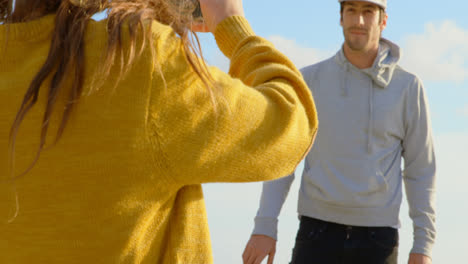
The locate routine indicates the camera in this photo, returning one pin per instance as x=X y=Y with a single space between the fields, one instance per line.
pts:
x=197 y=13
x=189 y=8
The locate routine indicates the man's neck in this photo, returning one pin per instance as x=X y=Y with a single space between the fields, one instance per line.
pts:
x=361 y=59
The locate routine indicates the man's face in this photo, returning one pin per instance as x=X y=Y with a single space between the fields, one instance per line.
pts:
x=362 y=25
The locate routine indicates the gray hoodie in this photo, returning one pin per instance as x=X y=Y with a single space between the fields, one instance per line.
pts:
x=369 y=120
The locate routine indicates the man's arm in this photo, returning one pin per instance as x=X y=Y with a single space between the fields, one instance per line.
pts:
x=274 y=194
x=262 y=243
x=419 y=172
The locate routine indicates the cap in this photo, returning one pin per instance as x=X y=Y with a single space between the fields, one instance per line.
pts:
x=381 y=3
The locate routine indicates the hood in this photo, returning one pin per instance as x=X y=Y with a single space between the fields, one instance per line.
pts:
x=381 y=74
x=384 y=65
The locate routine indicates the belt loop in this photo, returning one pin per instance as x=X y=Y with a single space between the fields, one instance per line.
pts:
x=349 y=229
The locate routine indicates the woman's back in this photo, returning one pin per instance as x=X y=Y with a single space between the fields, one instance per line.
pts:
x=122 y=185
x=102 y=194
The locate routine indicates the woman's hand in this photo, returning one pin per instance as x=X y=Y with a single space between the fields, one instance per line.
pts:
x=215 y=11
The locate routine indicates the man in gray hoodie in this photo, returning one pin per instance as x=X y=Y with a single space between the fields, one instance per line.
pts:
x=372 y=114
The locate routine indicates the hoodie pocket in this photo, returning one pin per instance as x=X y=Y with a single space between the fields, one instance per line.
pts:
x=346 y=182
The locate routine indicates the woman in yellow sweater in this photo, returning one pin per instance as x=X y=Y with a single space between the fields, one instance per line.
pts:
x=108 y=128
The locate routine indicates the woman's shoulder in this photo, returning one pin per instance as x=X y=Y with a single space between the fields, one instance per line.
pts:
x=98 y=31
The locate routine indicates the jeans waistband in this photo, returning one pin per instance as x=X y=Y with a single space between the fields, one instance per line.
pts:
x=310 y=220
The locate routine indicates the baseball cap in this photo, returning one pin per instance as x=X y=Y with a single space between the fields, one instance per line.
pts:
x=381 y=3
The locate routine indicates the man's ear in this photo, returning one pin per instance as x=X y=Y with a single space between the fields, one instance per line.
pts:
x=384 y=22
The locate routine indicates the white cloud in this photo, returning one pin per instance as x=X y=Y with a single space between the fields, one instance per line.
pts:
x=463 y=111
x=438 y=54
x=300 y=55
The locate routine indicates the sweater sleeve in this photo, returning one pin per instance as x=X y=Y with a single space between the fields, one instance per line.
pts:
x=273 y=196
x=419 y=171
x=259 y=126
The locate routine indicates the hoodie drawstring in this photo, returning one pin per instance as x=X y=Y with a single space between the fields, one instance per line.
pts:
x=345 y=93
x=370 y=129
x=344 y=80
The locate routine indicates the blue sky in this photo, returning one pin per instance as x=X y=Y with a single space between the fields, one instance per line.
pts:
x=433 y=36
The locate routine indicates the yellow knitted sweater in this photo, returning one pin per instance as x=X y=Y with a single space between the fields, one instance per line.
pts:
x=123 y=184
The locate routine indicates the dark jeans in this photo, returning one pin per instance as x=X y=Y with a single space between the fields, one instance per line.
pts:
x=323 y=242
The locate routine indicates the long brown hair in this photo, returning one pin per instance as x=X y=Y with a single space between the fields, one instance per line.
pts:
x=66 y=54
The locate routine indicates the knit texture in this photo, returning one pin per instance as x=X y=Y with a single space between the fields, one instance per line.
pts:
x=123 y=184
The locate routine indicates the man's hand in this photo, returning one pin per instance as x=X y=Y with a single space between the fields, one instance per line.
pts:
x=415 y=258
x=258 y=247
